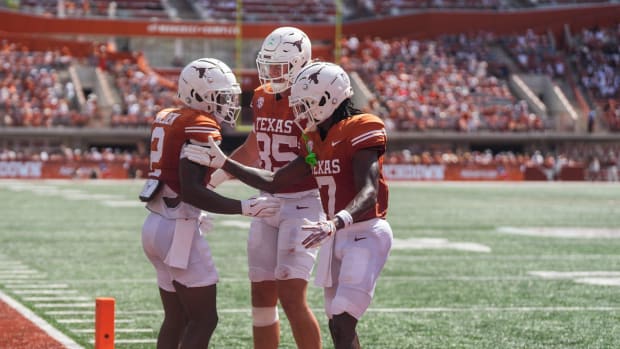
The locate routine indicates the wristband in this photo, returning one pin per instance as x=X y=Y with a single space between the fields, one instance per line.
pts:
x=345 y=217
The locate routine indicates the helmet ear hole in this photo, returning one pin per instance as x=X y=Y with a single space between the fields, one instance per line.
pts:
x=322 y=101
x=198 y=98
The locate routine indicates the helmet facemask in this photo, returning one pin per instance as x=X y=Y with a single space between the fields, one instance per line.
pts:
x=275 y=74
x=318 y=90
x=226 y=105
x=209 y=85
x=306 y=116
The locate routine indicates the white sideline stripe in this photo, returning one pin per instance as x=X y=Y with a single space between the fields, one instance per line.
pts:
x=117 y=330
x=87 y=321
x=56 y=299
x=42 y=324
x=130 y=341
x=61 y=292
x=64 y=305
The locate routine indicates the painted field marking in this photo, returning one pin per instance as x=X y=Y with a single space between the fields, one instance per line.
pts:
x=563 y=232
x=17 y=272
x=131 y=341
x=88 y=321
x=32 y=286
x=70 y=312
x=56 y=299
x=122 y=203
x=39 y=322
x=437 y=243
x=11 y=276
x=117 y=330
x=571 y=257
x=65 y=305
x=423 y=310
x=593 y=277
x=110 y=200
x=33 y=291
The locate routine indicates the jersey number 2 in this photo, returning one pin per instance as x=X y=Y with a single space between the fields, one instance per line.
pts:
x=157 y=147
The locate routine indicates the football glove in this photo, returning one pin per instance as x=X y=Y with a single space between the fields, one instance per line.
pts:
x=261 y=206
x=210 y=155
x=319 y=232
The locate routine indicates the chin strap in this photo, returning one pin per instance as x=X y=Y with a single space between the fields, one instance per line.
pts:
x=311 y=157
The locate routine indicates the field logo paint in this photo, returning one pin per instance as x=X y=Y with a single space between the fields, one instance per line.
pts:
x=436 y=244
x=600 y=278
x=564 y=232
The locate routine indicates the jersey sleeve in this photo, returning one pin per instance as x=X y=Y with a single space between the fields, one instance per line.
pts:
x=201 y=127
x=368 y=132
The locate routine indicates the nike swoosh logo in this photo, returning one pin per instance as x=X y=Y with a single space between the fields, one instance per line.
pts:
x=334 y=143
x=358 y=239
x=300 y=207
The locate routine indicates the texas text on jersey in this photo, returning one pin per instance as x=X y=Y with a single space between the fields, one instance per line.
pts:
x=276 y=134
x=334 y=168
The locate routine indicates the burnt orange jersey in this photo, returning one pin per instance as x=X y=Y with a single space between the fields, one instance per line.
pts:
x=277 y=135
x=172 y=128
x=334 y=169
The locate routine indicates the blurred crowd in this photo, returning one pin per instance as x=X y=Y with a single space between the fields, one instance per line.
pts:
x=452 y=83
x=35 y=88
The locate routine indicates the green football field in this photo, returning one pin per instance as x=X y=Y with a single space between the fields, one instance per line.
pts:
x=474 y=265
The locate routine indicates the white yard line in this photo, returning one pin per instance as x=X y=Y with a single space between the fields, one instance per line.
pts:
x=39 y=322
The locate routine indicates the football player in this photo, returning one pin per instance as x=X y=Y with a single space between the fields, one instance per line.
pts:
x=344 y=152
x=175 y=194
x=279 y=267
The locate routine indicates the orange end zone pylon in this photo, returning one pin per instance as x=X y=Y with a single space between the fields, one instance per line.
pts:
x=104 y=323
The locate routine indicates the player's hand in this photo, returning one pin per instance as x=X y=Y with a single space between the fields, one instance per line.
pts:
x=210 y=155
x=261 y=206
x=319 y=232
x=205 y=223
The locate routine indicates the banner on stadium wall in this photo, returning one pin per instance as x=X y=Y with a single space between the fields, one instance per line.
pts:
x=452 y=172
x=63 y=170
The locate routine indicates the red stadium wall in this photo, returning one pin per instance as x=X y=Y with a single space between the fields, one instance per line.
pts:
x=423 y=25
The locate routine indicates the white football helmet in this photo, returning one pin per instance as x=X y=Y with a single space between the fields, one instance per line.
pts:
x=317 y=91
x=283 y=53
x=209 y=85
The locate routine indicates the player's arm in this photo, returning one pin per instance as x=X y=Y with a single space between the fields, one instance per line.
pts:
x=246 y=153
x=366 y=179
x=268 y=181
x=211 y=155
x=195 y=193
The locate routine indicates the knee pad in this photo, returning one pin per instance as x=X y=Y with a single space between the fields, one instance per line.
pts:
x=264 y=316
